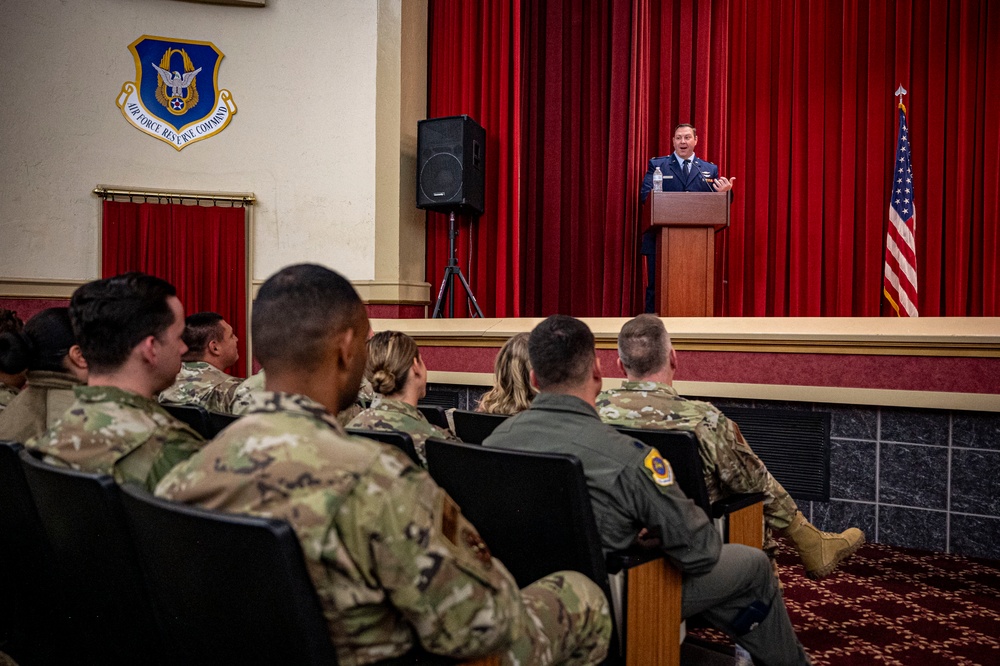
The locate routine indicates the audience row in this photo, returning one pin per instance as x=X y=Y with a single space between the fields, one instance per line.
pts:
x=393 y=560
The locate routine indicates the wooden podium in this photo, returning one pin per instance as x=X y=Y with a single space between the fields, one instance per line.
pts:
x=685 y=250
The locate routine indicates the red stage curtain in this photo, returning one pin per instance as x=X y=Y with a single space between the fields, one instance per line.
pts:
x=473 y=60
x=794 y=99
x=198 y=249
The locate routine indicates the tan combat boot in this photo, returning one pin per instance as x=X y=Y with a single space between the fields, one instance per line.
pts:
x=821 y=552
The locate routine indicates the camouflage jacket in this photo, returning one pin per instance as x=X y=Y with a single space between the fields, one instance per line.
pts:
x=390 y=553
x=7 y=393
x=655 y=405
x=117 y=432
x=398 y=416
x=201 y=383
x=243 y=396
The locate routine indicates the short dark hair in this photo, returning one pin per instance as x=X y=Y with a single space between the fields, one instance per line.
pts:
x=200 y=329
x=694 y=130
x=10 y=322
x=111 y=316
x=561 y=350
x=42 y=345
x=296 y=310
x=642 y=345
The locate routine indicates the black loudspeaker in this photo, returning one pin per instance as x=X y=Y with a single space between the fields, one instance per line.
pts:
x=451 y=165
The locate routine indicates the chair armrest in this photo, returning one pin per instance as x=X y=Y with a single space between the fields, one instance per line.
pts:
x=631 y=557
x=734 y=503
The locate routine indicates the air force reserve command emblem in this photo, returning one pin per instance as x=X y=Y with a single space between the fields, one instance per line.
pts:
x=176 y=95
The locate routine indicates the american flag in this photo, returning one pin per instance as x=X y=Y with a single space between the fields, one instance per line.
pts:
x=900 y=284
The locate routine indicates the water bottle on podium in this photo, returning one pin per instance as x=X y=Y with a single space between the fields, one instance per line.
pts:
x=657 y=180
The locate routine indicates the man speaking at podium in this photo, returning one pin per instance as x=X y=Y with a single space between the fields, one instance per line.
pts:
x=682 y=172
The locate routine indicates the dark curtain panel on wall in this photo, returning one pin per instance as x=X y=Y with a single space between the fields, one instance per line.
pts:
x=198 y=249
x=473 y=63
x=792 y=98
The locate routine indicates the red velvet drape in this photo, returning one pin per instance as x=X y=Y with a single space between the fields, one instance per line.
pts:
x=198 y=249
x=473 y=63
x=795 y=100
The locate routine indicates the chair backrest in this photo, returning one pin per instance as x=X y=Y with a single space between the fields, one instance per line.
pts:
x=195 y=416
x=29 y=617
x=94 y=561
x=533 y=510
x=474 y=427
x=680 y=448
x=217 y=422
x=400 y=440
x=435 y=414
x=228 y=588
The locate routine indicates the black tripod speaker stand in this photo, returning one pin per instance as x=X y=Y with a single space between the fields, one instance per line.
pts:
x=452 y=271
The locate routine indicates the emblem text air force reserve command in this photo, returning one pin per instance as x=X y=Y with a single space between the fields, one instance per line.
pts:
x=176 y=95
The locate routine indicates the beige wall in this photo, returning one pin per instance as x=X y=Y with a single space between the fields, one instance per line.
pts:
x=303 y=77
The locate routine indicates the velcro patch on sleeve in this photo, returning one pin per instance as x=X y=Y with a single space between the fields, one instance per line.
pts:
x=660 y=468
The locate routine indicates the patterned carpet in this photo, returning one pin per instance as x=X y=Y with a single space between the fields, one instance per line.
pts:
x=895 y=607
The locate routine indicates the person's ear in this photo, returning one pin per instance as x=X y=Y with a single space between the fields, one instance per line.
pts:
x=75 y=355
x=147 y=349
x=597 y=377
x=621 y=366
x=673 y=359
x=534 y=380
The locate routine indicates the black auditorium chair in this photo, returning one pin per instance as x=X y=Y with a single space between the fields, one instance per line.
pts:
x=474 y=427
x=534 y=512
x=400 y=440
x=234 y=589
x=739 y=517
x=32 y=630
x=217 y=421
x=436 y=415
x=193 y=415
x=227 y=588
x=95 y=564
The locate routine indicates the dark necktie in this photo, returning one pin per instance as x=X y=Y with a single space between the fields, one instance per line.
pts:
x=686 y=169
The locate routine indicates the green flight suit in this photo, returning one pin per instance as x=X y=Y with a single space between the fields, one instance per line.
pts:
x=631 y=487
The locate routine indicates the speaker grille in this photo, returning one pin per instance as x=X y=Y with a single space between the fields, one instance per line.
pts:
x=441 y=178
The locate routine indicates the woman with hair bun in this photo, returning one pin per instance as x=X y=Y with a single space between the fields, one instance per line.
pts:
x=47 y=349
x=399 y=378
x=512 y=392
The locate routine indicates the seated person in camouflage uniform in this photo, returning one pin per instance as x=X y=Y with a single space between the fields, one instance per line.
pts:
x=129 y=329
x=10 y=382
x=255 y=383
x=394 y=561
x=512 y=391
x=648 y=400
x=399 y=378
x=634 y=496
x=202 y=381
x=47 y=349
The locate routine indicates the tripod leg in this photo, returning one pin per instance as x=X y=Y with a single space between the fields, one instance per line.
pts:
x=442 y=293
x=468 y=292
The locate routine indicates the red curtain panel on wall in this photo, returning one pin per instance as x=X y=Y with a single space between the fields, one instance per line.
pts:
x=793 y=98
x=198 y=249
x=473 y=62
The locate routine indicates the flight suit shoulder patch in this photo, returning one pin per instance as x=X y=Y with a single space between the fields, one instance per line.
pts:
x=663 y=475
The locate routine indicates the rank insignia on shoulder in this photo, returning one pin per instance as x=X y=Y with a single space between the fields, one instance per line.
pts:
x=663 y=475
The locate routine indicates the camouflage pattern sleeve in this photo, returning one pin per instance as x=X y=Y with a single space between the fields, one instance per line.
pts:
x=432 y=563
